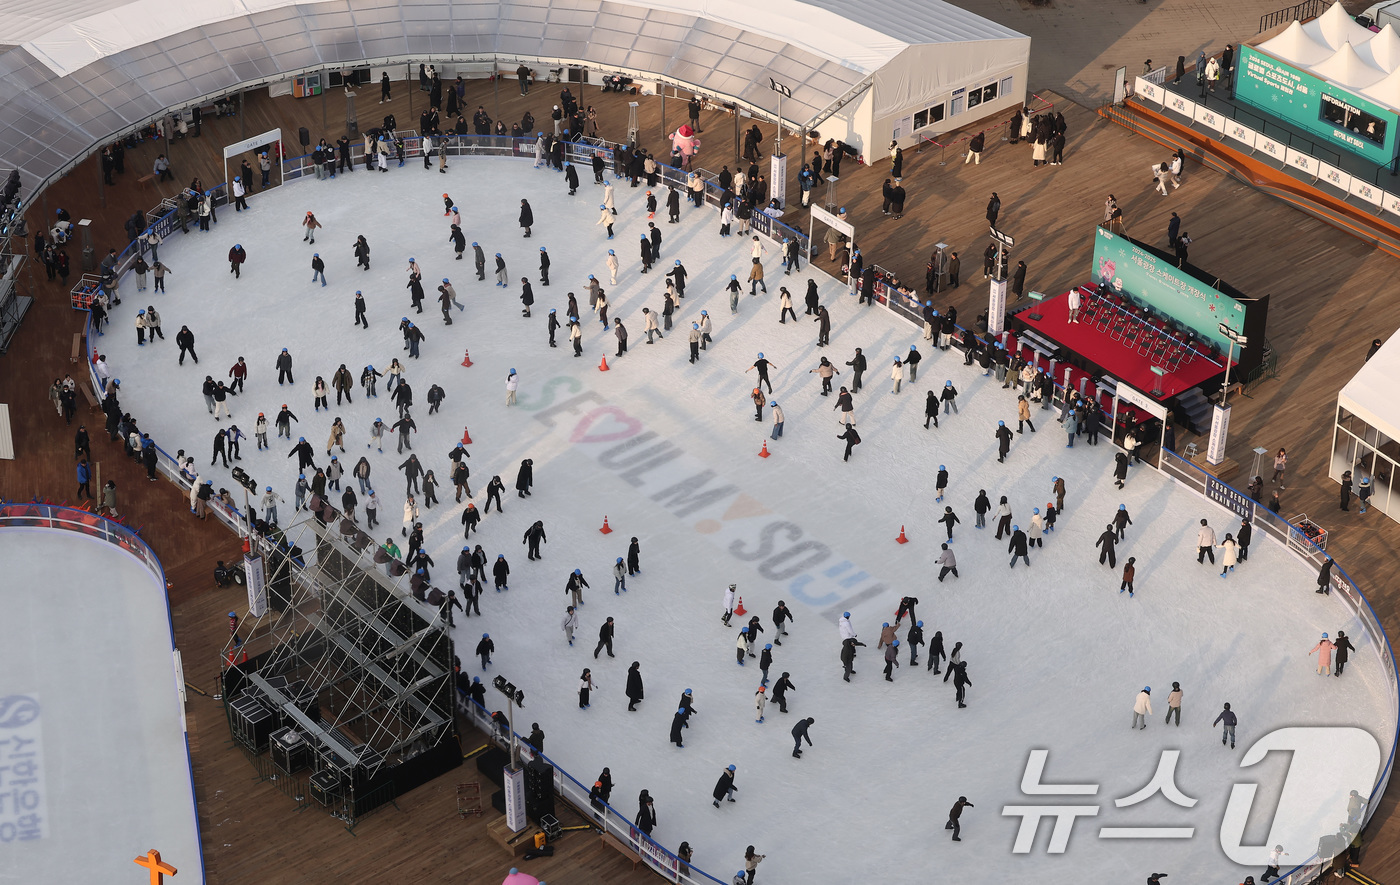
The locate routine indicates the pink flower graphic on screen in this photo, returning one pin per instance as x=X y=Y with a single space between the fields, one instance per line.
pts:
x=1107 y=266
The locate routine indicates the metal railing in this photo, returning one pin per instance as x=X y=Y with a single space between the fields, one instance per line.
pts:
x=602 y=815
x=1298 y=12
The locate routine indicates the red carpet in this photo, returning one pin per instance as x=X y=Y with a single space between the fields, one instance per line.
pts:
x=1122 y=362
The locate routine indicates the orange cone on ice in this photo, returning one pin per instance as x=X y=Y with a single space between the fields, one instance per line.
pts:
x=902 y=539
x=606 y=529
x=764 y=453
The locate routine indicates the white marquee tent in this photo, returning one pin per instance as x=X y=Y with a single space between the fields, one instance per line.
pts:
x=1335 y=48
x=83 y=71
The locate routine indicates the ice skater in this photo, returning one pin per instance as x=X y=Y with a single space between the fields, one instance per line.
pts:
x=585 y=685
x=1142 y=707
x=1228 y=719
x=728 y=604
x=724 y=787
x=1129 y=573
x=1205 y=543
x=955 y=817
x=760 y=701
x=634 y=685
x=1324 y=649
x=1107 y=544
x=799 y=734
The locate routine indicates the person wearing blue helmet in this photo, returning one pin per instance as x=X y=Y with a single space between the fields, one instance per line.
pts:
x=1003 y=436
x=574 y=586
x=694 y=342
x=479 y=257
x=1121 y=521
x=484 y=649
x=236 y=256
x=619 y=577
x=605 y=217
x=500 y=271
x=1142 y=707
x=1018 y=546
x=612 y=269
x=544 y=267
x=734 y=288
x=941 y=483
x=762 y=365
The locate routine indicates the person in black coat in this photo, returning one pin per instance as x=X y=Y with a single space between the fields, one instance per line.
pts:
x=1121 y=520
x=935 y=652
x=634 y=557
x=724 y=787
x=1120 y=469
x=677 y=723
x=525 y=478
x=950 y=519
x=534 y=535
x=646 y=816
x=634 y=689
x=799 y=734
x=812 y=298
x=1242 y=538
x=1342 y=652
x=1107 y=544
x=605 y=639
x=493 y=493
x=571 y=178
x=960 y=684
x=484 y=649
x=501 y=572
x=852 y=440
x=780 y=689
x=527 y=217
x=687 y=703
x=1003 y=436
x=1017 y=546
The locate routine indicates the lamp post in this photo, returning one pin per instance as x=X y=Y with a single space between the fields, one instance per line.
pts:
x=1220 y=416
x=783 y=92
x=513 y=780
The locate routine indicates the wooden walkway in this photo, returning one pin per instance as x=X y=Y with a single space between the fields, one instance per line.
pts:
x=1326 y=308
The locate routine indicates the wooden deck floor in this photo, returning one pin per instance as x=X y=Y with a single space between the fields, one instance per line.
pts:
x=1329 y=300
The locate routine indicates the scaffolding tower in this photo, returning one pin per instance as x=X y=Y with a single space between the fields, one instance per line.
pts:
x=358 y=667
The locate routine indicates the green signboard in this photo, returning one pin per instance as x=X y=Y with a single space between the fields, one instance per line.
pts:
x=1126 y=267
x=1341 y=118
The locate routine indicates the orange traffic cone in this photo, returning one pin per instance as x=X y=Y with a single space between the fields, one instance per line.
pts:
x=466 y=437
x=902 y=539
x=466 y=357
x=764 y=453
x=606 y=529
x=603 y=367
x=739 y=609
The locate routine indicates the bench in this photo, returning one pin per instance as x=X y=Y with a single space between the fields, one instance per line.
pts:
x=146 y=179
x=77 y=353
x=613 y=842
x=93 y=404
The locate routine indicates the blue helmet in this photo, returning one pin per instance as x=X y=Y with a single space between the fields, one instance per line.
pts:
x=941 y=467
x=919 y=624
x=1015 y=528
x=845 y=614
x=1001 y=423
x=760 y=355
x=486 y=636
x=578 y=571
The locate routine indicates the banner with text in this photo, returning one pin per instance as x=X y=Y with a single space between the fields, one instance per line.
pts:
x=1126 y=267
x=1346 y=120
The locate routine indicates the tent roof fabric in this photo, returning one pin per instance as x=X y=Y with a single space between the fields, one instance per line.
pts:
x=1347 y=68
x=1370 y=394
x=86 y=69
x=1382 y=51
x=1337 y=49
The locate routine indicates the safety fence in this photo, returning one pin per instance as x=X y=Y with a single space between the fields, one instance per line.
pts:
x=1037 y=105
x=1298 y=12
x=602 y=815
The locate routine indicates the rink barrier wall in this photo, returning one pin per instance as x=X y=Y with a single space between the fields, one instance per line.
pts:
x=1302 y=547
x=907 y=307
x=100 y=528
x=656 y=858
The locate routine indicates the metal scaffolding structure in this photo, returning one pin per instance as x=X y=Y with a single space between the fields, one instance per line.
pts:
x=337 y=651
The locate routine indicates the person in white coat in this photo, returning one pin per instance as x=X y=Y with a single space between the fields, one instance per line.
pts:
x=1142 y=708
x=760 y=700
x=1229 y=551
x=897 y=374
x=1205 y=543
x=539 y=151
x=512 y=383
x=612 y=266
x=728 y=604
x=570 y=623
x=608 y=197
x=1072 y=301
x=848 y=631
x=410 y=515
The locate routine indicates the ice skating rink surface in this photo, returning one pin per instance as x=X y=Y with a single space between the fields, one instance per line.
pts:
x=668 y=452
x=92 y=740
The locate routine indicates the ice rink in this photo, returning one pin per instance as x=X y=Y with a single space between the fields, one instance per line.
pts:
x=92 y=740
x=668 y=452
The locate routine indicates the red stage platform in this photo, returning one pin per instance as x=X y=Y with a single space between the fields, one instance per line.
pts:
x=1124 y=341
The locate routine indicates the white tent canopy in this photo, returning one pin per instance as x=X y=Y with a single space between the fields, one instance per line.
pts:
x=89 y=69
x=1295 y=46
x=1370 y=394
x=1346 y=67
x=1382 y=51
x=1335 y=27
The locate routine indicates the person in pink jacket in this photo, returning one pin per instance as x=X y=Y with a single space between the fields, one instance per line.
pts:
x=1324 y=659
